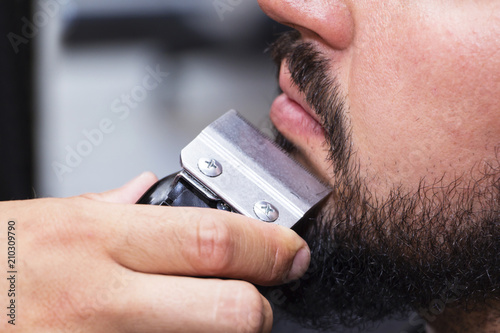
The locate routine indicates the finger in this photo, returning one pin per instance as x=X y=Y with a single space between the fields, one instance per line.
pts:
x=128 y=193
x=208 y=242
x=156 y=303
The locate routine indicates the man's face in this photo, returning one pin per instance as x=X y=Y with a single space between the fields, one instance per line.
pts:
x=421 y=81
x=397 y=105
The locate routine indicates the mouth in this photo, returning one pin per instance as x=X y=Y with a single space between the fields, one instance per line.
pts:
x=291 y=115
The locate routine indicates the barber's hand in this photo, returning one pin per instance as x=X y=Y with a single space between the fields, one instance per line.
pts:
x=97 y=263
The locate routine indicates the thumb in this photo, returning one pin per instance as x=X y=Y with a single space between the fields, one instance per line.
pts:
x=128 y=193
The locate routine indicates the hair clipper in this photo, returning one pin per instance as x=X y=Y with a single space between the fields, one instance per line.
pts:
x=231 y=166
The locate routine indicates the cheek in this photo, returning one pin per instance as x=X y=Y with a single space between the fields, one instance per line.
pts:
x=424 y=98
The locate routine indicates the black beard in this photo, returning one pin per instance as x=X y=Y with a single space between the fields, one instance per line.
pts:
x=434 y=248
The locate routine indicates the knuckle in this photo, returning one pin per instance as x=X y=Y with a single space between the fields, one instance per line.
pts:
x=280 y=263
x=240 y=306
x=278 y=269
x=212 y=248
x=47 y=228
x=62 y=222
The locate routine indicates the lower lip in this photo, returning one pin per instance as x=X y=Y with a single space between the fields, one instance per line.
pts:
x=291 y=119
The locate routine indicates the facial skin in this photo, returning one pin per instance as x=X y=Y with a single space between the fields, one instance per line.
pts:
x=396 y=104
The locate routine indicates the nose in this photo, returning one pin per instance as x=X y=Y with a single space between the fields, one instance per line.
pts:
x=331 y=20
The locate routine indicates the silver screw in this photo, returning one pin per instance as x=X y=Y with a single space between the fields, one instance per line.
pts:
x=223 y=206
x=265 y=211
x=210 y=167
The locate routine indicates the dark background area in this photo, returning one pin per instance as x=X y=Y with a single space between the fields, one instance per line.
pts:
x=16 y=105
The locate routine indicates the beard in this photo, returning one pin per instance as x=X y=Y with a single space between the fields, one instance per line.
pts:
x=431 y=249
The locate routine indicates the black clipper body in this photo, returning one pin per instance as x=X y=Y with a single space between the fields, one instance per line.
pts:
x=231 y=166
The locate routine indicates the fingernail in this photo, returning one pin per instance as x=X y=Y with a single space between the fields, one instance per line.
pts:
x=300 y=264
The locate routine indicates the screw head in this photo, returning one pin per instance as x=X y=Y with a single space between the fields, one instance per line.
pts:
x=265 y=211
x=223 y=206
x=210 y=167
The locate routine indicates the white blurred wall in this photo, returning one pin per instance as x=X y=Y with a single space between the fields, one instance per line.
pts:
x=79 y=87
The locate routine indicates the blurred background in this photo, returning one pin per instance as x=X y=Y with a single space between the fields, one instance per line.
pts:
x=152 y=73
x=95 y=92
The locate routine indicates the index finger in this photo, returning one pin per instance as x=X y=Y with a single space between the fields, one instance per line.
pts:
x=207 y=242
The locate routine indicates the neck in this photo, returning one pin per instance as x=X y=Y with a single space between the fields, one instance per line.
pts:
x=458 y=320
